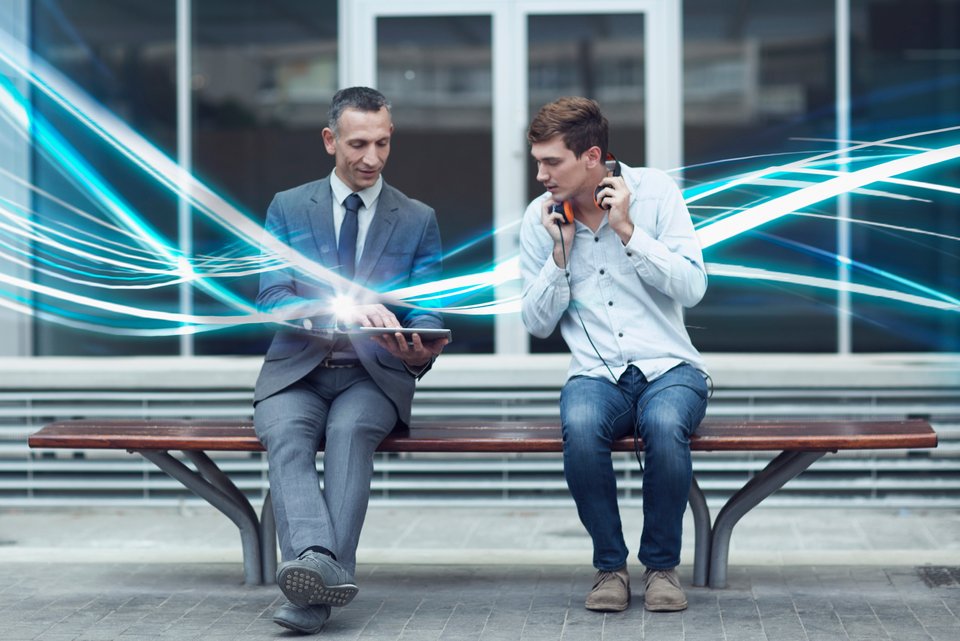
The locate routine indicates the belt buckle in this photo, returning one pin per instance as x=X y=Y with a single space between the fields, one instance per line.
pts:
x=338 y=363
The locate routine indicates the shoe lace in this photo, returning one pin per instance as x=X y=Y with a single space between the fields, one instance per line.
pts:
x=666 y=575
x=605 y=576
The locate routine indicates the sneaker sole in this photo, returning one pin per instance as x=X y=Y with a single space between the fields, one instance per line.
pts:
x=296 y=628
x=305 y=587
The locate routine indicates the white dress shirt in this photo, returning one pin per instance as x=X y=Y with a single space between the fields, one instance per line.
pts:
x=369 y=196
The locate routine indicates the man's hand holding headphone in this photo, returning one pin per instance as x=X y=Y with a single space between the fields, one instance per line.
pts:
x=615 y=198
x=562 y=233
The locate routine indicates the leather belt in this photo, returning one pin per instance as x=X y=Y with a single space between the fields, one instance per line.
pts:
x=339 y=363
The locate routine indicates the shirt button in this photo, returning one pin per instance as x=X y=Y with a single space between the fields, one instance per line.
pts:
x=629 y=253
x=620 y=334
x=596 y=239
x=610 y=303
x=307 y=324
x=602 y=272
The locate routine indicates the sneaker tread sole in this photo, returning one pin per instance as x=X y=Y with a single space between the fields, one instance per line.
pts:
x=306 y=587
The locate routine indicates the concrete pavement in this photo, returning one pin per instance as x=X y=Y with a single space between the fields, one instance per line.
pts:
x=479 y=573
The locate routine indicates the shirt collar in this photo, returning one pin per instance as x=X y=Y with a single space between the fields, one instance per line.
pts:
x=341 y=191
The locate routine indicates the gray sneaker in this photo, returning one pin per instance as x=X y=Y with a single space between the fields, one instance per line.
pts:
x=316 y=579
x=663 y=592
x=611 y=591
x=308 y=620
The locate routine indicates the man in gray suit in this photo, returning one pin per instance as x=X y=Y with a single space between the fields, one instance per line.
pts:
x=317 y=385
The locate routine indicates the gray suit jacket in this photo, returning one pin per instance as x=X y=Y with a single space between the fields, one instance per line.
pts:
x=402 y=247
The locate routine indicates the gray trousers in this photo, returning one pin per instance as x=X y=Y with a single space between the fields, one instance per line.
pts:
x=345 y=407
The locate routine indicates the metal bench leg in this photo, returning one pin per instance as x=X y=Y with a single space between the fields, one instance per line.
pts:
x=242 y=515
x=702 y=534
x=786 y=466
x=212 y=473
x=268 y=540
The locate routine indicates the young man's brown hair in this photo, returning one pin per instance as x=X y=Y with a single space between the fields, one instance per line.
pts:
x=578 y=120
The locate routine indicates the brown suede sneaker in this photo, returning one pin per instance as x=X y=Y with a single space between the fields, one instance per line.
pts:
x=663 y=592
x=611 y=591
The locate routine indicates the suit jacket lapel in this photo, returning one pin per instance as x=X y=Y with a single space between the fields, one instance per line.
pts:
x=381 y=228
x=320 y=214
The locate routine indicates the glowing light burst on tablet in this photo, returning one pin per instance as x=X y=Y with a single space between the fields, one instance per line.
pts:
x=92 y=264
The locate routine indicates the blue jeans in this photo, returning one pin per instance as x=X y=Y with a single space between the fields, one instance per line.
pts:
x=665 y=411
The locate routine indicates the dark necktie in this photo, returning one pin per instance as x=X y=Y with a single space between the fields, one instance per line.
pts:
x=347 y=244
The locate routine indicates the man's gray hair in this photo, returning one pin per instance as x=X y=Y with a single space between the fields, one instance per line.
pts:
x=360 y=98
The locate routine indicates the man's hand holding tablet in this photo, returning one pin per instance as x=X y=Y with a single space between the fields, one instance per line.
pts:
x=414 y=346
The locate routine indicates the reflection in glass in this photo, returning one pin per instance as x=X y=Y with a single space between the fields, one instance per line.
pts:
x=122 y=55
x=263 y=77
x=906 y=79
x=436 y=72
x=757 y=82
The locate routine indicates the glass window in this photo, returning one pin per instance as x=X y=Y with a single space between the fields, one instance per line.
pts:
x=759 y=79
x=263 y=77
x=122 y=55
x=906 y=80
x=436 y=72
x=600 y=57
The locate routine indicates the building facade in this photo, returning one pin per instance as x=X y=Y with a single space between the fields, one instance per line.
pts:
x=236 y=91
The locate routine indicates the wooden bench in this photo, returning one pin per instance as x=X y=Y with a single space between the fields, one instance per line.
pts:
x=800 y=443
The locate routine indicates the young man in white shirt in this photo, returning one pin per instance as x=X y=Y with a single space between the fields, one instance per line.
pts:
x=616 y=278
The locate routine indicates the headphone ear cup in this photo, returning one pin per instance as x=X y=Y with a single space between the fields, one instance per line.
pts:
x=613 y=166
x=567 y=212
x=596 y=196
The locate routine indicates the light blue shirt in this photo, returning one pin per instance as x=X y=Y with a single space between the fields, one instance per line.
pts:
x=631 y=297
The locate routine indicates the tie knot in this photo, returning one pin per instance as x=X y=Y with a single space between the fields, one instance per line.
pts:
x=352 y=203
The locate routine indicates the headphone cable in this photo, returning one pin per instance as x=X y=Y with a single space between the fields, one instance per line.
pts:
x=616 y=382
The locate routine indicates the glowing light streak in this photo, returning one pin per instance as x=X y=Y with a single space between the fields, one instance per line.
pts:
x=862 y=144
x=129 y=310
x=85 y=177
x=102 y=329
x=746 y=178
x=155 y=163
x=40 y=232
x=504 y=272
x=77 y=211
x=755 y=273
x=855 y=221
x=80 y=172
x=896 y=181
x=734 y=222
x=41 y=239
x=800 y=184
x=761 y=214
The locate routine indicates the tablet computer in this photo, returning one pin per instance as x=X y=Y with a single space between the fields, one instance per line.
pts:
x=426 y=333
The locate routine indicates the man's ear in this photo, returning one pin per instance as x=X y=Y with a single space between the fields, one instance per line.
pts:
x=329 y=141
x=592 y=156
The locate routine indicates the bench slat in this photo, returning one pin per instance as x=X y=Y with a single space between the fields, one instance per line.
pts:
x=497 y=436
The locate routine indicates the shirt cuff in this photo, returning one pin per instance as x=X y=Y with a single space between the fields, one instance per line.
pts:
x=420 y=370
